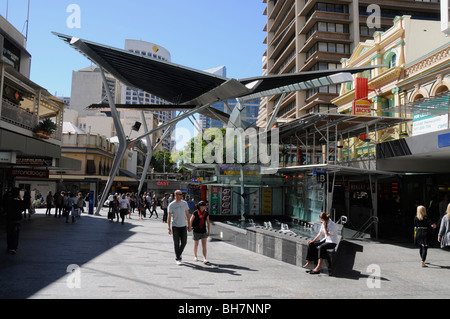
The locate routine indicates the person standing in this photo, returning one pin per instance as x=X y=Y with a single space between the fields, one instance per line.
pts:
x=317 y=249
x=133 y=200
x=444 y=230
x=154 y=205
x=201 y=229
x=179 y=224
x=124 y=205
x=13 y=208
x=191 y=205
x=423 y=224
x=28 y=204
x=49 y=200
x=165 y=206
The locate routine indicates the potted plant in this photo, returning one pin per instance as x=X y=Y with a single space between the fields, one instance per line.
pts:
x=45 y=128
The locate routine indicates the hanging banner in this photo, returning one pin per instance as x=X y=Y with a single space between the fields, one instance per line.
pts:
x=254 y=201
x=226 y=201
x=267 y=201
x=215 y=200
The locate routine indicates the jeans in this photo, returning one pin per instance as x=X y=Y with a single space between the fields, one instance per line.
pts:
x=179 y=240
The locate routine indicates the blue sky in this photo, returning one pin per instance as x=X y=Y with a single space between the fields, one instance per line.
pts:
x=200 y=33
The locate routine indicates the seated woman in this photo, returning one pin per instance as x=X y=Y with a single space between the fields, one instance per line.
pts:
x=317 y=249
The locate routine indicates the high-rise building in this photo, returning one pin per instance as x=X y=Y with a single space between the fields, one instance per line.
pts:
x=88 y=88
x=130 y=96
x=310 y=35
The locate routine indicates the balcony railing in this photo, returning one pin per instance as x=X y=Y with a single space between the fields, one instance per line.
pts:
x=17 y=116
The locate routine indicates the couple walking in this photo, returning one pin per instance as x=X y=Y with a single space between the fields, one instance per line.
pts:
x=180 y=222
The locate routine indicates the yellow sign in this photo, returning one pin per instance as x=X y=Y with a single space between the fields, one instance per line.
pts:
x=267 y=201
x=363 y=107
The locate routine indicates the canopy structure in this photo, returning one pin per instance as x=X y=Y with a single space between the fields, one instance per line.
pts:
x=185 y=86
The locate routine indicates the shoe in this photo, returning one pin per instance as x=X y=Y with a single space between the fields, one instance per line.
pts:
x=313 y=272
x=195 y=259
x=207 y=263
x=179 y=263
x=423 y=264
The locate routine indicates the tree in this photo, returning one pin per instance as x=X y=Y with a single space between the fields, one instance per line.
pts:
x=162 y=162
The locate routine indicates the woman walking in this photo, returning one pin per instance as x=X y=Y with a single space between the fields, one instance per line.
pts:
x=444 y=230
x=201 y=228
x=422 y=225
x=140 y=206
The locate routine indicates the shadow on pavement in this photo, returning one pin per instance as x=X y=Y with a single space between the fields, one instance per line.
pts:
x=48 y=246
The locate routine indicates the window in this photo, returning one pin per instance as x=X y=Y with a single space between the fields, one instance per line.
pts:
x=390 y=59
x=11 y=54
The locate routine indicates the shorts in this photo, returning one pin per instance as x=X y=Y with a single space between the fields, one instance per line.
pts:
x=198 y=236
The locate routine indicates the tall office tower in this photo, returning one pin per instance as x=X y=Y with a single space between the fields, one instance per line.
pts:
x=250 y=113
x=88 y=89
x=311 y=35
x=130 y=96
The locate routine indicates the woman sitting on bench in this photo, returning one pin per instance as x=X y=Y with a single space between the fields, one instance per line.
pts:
x=317 y=250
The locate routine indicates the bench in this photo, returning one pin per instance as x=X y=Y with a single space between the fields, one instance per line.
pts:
x=332 y=253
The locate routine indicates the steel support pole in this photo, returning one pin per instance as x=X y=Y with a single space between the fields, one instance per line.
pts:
x=123 y=144
x=149 y=155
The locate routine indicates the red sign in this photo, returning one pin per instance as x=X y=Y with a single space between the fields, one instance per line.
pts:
x=163 y=183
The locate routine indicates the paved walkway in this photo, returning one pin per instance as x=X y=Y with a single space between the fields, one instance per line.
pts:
x=136 y=260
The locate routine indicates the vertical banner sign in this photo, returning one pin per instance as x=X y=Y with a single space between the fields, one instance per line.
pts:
x=254 y=202
x=215 y=200
x=226 y=201
x=267 y=201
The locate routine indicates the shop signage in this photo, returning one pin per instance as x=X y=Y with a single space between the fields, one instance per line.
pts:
x=29 y=173
x=7 y=157
x=34 y=161
x=362 y=107
x=267 y=201
x=215 y=200
x=167 y=183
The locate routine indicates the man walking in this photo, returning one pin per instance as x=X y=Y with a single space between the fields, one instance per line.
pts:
x=179 y=224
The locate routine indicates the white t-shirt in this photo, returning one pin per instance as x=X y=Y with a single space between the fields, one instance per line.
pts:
x=124 y=203
x=178 y=211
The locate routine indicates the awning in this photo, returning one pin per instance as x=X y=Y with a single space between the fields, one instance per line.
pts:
x=182 y=85
x=318 y=126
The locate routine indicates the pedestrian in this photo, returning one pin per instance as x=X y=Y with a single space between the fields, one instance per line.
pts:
x=191 y=205
x=66 y=205
x=28 y=204
x=201 y=228
x=124 y=205
x=165 y=206
x=179 y=224
x=154 y=205
x=59 y=203
x=318 y=248
x=148 y=204
x=133 y=200
x=113 y=209
x=422 y=224
x=13 y=208
x=79 y=204
x=444 y=230
x=73 y=208
x=141 y=206
x=49 y=201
